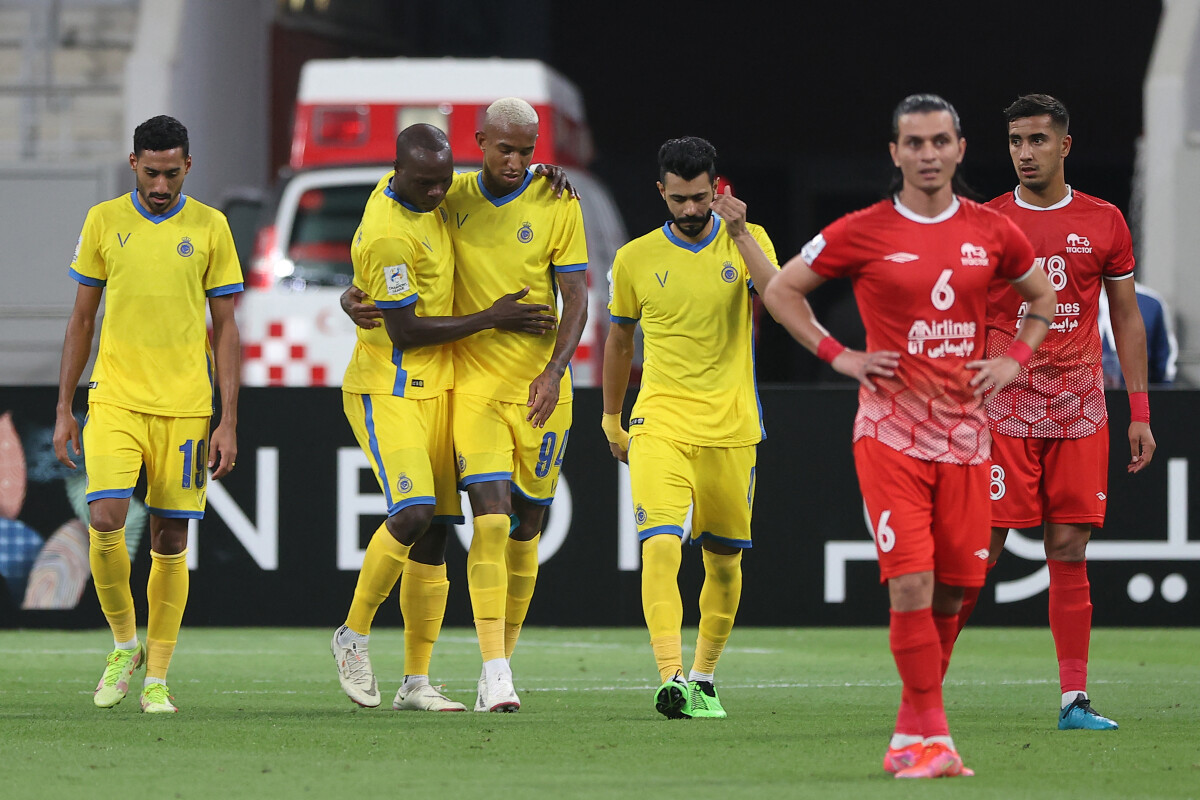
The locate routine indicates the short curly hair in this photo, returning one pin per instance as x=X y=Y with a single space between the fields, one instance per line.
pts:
x=160 y=133
x=687 y=157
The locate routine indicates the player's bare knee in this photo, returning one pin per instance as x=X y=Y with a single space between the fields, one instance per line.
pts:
x=409 y=524
x=530 y=520
x=1065 y=542
x=430 y=548
x=911 y=592
x=168 y=535
x=108 y=514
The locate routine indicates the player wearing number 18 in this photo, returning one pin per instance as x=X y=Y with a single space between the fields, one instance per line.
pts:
x=157 y=254
x=920 y=262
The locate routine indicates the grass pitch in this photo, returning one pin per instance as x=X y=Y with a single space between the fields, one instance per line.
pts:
x=262 y=716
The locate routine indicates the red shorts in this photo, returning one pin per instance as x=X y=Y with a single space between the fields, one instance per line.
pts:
x=925 y=516
x=1049 y=480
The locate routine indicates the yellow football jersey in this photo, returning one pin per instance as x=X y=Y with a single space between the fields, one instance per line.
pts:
x=401 y=256
x=693 y=302
x=501 y=245
x=156 y=271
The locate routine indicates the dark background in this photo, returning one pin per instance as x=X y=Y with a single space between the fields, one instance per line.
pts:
x=797 y=97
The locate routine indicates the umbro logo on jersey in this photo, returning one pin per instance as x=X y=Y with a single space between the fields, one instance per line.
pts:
x=1101 y=496
x=981 y=554
x=901 y=257
x=973 y=256
x=1078 y=244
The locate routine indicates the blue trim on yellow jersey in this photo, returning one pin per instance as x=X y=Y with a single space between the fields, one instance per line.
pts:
x=537 y=501
x=657 y=529
x=108 y=493
x=508 y=198
x=369 y=418
x=387 y=191
x=448 y=519
x=221 y=291
x=174 y=513
x=401 y=382
x=424 y=500
x=408 y=301
x=570 y=267
x=157 y=218
x=84 y=279
x=623 y=320
x=762 y=428
x=743 y=544
x=698 y=246
x=484 y=477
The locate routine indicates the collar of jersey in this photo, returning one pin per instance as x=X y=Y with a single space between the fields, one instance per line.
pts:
x=508 y=198
x=908 y=213
x=156 y=218
x=387 y=190
x=1060 y=204
x=698 y=246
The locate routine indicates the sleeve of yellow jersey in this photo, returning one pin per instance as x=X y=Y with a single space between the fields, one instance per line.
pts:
x=389 y=270
x=569 y=247
x=623 y=305
x=224 y=273
x=764 y=241
x=87 y=266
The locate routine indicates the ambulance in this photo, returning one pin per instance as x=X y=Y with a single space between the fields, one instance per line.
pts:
x=348 y=112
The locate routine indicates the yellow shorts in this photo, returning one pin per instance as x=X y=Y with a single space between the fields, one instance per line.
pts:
x=496 y=443
x=666 y=477
x=407 y=443
x=117 y=441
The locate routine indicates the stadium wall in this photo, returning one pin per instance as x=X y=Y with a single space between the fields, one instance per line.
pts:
x=284 y=534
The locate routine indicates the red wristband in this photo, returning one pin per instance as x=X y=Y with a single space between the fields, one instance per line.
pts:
x=829 y=349
x=1020 y=352
x=1139 y=407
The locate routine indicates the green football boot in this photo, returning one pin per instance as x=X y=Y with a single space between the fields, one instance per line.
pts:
x=673 y=699
x=703 y=701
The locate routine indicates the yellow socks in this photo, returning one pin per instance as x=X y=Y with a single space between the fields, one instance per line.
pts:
x=522 y=560
x=109 y=559
x=661 y=603
x=423 y=591
x=166 y=596
x=487 y=580
x=382 y=564
x=719 y=598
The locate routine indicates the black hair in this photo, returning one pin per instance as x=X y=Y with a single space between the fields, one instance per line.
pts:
x=160 y=133
x=687 y=157
x=928 y=104
x=420 y=136
x=1035 y=105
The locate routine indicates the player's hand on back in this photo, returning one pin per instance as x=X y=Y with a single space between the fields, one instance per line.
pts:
x=543 y=397
x=558 y=180
x=1141 y=446
x=364 y=315
x=66 y=431
x=863 y=366
x=732 y=210
x=510 y=314
x=992 y=375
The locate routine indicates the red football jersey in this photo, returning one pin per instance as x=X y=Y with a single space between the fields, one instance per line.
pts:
x=1078 y=242
x=921 y=285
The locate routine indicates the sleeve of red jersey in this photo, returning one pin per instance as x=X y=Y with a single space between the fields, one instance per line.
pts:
x=1016 y=259
x=1120 y=255
x=830 y=253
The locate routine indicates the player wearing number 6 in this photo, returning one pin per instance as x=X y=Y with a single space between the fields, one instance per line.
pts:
x=921 y=262
x=159 y=254
x=1049 y=426
x=697 y=422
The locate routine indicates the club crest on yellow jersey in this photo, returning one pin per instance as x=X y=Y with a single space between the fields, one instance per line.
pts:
x=185 y=248
x=728 y=273
x=525 y=234
x=639 y=515
x=404 y=484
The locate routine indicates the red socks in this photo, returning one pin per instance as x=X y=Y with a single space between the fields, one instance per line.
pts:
x=918 y=653
x=1070 y=621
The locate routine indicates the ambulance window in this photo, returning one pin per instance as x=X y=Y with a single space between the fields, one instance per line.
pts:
x=325 y=221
